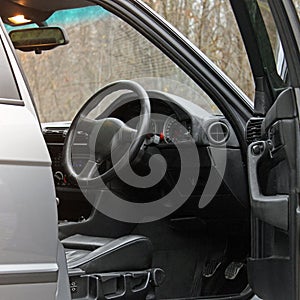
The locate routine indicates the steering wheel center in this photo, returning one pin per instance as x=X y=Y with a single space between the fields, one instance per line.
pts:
x=102 y=136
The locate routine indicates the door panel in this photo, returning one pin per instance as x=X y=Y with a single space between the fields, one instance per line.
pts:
x=273 y=155
x=272 y=170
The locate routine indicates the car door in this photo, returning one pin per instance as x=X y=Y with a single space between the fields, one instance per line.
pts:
x=274 y=149
x=32 y=261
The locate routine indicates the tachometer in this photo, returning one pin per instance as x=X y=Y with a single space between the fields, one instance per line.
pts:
x=174 y=131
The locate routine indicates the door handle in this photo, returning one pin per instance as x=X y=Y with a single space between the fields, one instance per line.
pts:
x=270 y=209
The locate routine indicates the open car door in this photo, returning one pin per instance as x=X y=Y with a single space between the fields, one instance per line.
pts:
x=274 y=149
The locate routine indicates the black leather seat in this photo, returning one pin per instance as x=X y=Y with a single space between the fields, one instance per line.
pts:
x=97 y=254
x=111 y=268
x=79 y=241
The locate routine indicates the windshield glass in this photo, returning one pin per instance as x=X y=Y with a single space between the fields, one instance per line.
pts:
x=211 y=26
x=102 y=48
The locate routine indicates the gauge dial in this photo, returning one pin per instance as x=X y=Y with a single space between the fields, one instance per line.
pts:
x=174 y=131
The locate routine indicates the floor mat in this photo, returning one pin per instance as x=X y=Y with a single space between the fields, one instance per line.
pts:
x=180 y=254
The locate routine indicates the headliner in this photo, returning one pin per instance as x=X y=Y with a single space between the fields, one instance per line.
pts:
x=46 y=5
x=36 y=10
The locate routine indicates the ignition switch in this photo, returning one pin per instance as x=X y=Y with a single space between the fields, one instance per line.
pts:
x=59 y=177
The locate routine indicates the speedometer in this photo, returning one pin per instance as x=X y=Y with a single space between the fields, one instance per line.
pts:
x=174 y=131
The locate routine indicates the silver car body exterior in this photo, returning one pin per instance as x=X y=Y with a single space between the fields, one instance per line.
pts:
x=30 y=253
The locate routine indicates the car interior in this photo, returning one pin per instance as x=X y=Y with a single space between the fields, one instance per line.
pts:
x=197 y=247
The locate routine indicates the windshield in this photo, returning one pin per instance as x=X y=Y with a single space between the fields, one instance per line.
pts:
x=211 y=26
x=102 y=48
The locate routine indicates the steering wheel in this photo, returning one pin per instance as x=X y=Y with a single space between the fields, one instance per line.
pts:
x=107 y=136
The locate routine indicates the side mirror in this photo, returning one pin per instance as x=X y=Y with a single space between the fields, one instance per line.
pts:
x=38 y=39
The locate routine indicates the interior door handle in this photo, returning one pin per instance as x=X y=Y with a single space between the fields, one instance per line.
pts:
x=270 y=209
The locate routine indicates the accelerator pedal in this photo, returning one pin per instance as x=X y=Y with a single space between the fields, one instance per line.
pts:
x=233 y=270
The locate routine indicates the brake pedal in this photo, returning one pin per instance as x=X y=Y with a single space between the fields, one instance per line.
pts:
x=233 y=270
x=211 y=267
x=216 y=256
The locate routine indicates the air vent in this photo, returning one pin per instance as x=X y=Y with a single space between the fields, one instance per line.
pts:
x=55 y=130
x=253 y=130
x=55 y=134
x=218 y=133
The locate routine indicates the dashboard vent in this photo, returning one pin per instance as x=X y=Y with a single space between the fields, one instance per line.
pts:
x=55 y=134
x=55 y=130
x=218 y=133
x=253 y=130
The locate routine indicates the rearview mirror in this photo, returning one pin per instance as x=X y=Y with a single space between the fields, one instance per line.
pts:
x=38 y=39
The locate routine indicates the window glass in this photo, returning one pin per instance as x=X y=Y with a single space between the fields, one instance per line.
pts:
x=274 y=39
x=211 y=26
x=102 y=49
x=8 y=88
x=297 y=5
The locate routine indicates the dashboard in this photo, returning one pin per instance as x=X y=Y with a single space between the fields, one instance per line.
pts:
x=170 y=122
x=173 y=121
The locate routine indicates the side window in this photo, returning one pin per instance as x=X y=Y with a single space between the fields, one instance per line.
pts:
x=297 y=5
x=8 y=87
x=279 y=57
x=281 y=65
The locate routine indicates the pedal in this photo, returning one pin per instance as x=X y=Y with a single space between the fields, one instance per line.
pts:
x=211 y=267
x=233 y=270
